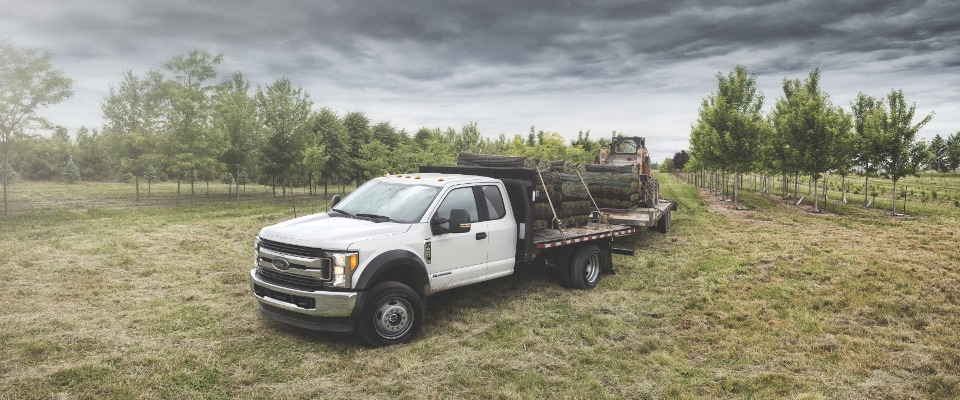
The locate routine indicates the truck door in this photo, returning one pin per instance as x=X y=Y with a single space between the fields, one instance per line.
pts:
x=459 y=258
x=501 y=231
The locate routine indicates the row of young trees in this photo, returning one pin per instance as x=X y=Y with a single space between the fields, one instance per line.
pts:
x=806 y=134
x=183 y=121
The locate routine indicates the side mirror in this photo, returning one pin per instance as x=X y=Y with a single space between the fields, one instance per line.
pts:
x=334 y=200
x=458 y=222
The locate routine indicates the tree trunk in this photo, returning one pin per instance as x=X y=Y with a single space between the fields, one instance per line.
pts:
x=866 y=190
x=816 y=203
x=179 y=178
x=895 y=197
x=843 y=188
x=796 y=185
x=3 y=174
x=736 y=198
x=136 y=179
x=824 y=191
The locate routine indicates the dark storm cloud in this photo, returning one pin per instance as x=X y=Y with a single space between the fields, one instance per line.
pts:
x=634 y=66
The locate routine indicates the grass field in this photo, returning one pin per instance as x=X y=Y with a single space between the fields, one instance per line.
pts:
x=107 y=298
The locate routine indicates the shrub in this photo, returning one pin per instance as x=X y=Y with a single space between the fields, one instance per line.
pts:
x=124 y=177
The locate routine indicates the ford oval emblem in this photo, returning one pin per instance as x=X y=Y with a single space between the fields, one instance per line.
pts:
x=281 y=263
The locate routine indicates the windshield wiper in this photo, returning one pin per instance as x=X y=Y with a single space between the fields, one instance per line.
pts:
x=337 y=210
x=374 y=216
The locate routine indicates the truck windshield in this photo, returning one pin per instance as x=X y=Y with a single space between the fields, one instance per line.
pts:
x=389 y=201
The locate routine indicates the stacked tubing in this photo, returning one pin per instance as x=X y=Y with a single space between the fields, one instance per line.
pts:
x=612 y=186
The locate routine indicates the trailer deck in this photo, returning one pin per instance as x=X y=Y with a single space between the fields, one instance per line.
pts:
x=549 y=238
x=644 y=217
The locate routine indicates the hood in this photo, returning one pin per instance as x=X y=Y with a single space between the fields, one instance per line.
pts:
x=325 y=232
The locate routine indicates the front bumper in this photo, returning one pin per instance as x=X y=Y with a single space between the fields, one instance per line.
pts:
x=317 y=310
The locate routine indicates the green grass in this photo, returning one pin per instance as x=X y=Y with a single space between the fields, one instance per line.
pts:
x=108 y=298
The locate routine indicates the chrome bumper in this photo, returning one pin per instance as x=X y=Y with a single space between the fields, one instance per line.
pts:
x=309 y=303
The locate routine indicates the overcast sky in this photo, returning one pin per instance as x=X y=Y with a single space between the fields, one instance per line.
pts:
x=636 y=67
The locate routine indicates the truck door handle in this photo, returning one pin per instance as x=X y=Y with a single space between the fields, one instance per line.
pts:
x=481 y=235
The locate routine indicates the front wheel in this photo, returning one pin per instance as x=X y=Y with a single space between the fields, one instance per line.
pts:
x=393 y=314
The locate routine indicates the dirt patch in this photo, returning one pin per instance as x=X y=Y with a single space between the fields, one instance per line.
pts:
x=722 y=206
x=725 y=205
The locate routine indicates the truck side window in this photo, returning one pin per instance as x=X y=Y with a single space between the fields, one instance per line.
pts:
x=494 y=202
x=459 y=198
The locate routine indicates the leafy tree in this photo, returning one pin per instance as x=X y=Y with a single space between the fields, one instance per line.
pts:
x=150 y=174
x=284 y=112
x=938 y=154
x=314 y=159
x=375 y=158
x=42 y=158
x=680 y=159
x=666 y=166
x=91 y=155
x=704 y=147
x=550 y=146
x=234 y=117
x=71 y=173
x=387 y=134
x=469 y=139
x=867 y=112
x=731 y=120
x=953 y=151
x=430 y=147
x=133 y=114
x=902 y=155
x=810 y=124
x=28 y=83
x=844 y=148
x=588 y=149
x=190 y=143
x=516 y=146
x=357 y=127
x=329 y=132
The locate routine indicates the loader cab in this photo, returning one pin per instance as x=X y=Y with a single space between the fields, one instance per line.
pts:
x=625 y=151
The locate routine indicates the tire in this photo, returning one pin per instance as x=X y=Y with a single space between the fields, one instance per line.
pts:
x=393 y=314
x=586 y=267
x=651 y=193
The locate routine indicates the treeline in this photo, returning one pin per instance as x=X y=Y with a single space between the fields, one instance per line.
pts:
x=805 y=134
x=183 y=122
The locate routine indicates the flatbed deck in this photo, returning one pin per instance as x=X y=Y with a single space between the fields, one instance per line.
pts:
x=644 y=217
x=549 y=238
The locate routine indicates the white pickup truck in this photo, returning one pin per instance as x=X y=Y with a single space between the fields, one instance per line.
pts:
x=369 y=264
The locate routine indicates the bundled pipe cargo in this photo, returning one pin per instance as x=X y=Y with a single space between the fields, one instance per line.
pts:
x=488 y=160
x=570 y=187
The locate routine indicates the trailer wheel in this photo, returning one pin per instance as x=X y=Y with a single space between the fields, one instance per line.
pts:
x=393 y=314
x=586 y=266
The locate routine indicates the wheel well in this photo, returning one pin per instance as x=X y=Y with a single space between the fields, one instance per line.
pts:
x=403 y=273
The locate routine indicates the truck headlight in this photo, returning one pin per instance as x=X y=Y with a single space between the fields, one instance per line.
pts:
x=256 y=252
x=344 y=263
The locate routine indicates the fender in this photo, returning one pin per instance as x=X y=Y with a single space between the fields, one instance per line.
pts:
x=386 y=260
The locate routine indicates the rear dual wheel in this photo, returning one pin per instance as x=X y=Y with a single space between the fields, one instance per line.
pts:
x=580 y=267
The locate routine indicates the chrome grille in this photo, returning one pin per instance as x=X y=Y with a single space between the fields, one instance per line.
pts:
x=291 y=249
x=298 y=282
